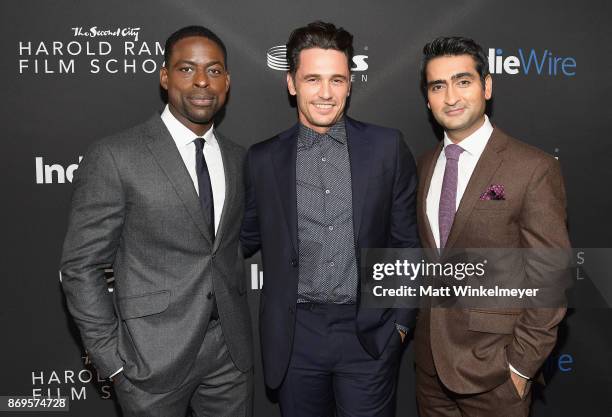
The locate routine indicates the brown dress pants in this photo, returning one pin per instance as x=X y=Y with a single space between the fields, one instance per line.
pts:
x=435 y=400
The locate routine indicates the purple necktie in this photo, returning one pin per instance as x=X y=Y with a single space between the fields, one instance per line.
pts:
x=448 y=196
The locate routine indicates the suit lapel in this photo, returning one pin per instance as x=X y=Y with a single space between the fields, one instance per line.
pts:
x=230 y=172
x=360 y=149
x=487 y=165
x=164 y=150
x=283 y=161
x=428 y=170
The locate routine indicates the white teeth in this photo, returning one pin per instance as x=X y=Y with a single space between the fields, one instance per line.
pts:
x=324 y=106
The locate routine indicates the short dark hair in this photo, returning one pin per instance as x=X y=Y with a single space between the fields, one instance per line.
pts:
x=453 y=46
x=318 y=35
x=187 y=32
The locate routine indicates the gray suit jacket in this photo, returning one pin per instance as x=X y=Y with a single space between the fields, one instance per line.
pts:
x=135 y=208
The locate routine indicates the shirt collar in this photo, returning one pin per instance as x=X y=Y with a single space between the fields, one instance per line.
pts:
x=476 y=142
x=181 y=134
x=307 y=136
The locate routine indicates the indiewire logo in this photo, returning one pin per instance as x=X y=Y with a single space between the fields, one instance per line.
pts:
x=54 y=173
x=543 y=63
x=276 y=58
x=256 y=278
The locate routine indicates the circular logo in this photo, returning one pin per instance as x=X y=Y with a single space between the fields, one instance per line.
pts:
x=277 y=58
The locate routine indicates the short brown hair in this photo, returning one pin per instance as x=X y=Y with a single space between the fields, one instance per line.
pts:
x=318 y=35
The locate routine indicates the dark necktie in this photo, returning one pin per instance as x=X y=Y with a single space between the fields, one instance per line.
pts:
x=204 y=186
x=448 y=196
x=207 y=202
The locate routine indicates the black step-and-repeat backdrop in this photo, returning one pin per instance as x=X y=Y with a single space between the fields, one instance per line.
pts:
x=75 y=71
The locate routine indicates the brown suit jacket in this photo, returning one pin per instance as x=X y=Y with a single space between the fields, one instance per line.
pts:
x=470 y=349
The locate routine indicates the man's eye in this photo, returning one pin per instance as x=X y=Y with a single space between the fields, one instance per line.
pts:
x=185 y=69
x=338 y=81
x=215 y=71
x=464 y=83
x=436 y=87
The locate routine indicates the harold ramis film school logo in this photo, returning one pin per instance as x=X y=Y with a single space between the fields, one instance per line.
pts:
x=94 y=32
x=75 y=384
x=93 y=50
x=276 y=59
x=531 y=62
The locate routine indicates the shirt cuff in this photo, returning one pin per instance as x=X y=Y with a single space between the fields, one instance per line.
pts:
x=401 y=328
x=513 y=369
x=116 y=372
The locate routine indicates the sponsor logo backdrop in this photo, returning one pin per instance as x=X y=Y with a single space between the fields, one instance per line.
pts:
x=74 y=72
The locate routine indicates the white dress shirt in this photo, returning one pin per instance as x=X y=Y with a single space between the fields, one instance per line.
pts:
x=184 y=139
x=473 y=147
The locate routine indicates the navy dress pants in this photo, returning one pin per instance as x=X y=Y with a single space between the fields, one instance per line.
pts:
x=330 y=373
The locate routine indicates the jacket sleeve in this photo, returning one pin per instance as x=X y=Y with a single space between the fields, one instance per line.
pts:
x=94 y=232
x=542 y=225
x=404 y=232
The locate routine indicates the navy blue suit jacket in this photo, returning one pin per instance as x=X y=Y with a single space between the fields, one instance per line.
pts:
x=384 y=183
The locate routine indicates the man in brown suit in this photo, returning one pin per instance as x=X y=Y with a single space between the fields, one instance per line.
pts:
x=481 y=188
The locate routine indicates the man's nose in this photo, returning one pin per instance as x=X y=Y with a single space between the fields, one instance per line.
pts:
x=325 y=90
x=451 y=97
x=200 y=78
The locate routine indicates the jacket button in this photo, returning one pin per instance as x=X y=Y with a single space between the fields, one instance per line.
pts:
x=294 y=262
x=291 y=310
x=210 y=295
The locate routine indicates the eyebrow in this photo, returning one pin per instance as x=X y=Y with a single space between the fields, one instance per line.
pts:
x=208 y=64
x=462 y=75
x=319 y=76
x=454 y=77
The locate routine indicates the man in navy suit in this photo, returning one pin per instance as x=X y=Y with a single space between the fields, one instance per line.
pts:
x=316 y=195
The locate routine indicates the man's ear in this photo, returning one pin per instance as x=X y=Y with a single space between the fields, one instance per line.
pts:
x=488 y=86
x=291 y=84
x=163 y=78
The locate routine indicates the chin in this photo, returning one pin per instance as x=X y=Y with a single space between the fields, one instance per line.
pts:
x=199 y=121
x=200 y=118
x=326 y=122
x=455 y=126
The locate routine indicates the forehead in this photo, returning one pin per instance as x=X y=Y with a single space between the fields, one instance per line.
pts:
x=444 y=67
x=322 y=61
x=196 y=48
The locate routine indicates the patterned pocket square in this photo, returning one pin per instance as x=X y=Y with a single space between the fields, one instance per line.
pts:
x=494 y=192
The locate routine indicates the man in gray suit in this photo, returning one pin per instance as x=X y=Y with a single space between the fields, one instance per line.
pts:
x=161 y=203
